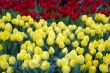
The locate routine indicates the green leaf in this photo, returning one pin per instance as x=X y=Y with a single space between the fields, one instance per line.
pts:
x=108 y=8
x=99 y=8
x=76 y=69
x=51 y=69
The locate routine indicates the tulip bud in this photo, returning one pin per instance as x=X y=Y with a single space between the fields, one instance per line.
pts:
x=45 y=55
x=45 y=65
x=12 y=60
x=51 y=50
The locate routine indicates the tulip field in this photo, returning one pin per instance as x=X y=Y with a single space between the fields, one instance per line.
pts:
x=54 y=36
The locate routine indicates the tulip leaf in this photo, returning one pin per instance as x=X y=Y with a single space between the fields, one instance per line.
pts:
x=51 y=69
x=99 y=8
x=76 y=69
x=108 y=8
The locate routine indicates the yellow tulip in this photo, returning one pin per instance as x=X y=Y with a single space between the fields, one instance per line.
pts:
x=66 y=69
x=80 y=59
x=27 y=56
x=12 y=60
x=33 y=64
x=45 y=55
x=10 y=70
x=95 y=63
x=29 y=30
x=67 y=42
x=51 y=50
x=25 y=64
x=80 y=35
x=51 y=38
x=87 y=30
x=59 y=62
x=83 y=66
x=92 y=69
x=65 y=50
x=93 y=51
x=20 y=56
x=1 y=47
x=84 y=18
x=99 y=55
x=71 y=36
x=45 y=65
x=4 y=65
x=21 y=23
x=88 y=57
x=79 y=50
x=103 y=68
x=40 y=42
x=37 y=50
x=65 y=61
x=88 y=64
x=8 y=27
x=73 y=62
x=75 y=44
x=101 y=47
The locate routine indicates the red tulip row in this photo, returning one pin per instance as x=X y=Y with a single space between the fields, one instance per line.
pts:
x=56 y=9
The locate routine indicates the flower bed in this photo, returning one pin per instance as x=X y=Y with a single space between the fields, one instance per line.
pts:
x=36 y=47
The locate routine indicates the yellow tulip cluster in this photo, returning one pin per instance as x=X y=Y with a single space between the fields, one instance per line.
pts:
x=38 y=59
x=24 y=21
x=102 y=18
x=7 y=62
x=84 y=46
x=70 y=60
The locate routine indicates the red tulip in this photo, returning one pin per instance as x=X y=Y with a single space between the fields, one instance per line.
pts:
x=33 y=14
x=55 y=16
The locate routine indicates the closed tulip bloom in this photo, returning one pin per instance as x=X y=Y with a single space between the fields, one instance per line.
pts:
x=12 y=60
x=88 y=64
x=80 y=35
x=103 y=68
x=79 y=50
x=1 y=47
x=73 y=62
x=51 y=38
x=66 y=69
x=51 y=50
x=65 y=50
x=37 y=50
x=33 y=64
x=20 y=56
x=4 y=65
x=21 y=23
x=75 y=44
x=67 y=42
x=10 y=70
x=101 y=47
x=83 y=66
x=80 y=59
x=93 y=51
x=84 y=43
x=95 y=62
x=92 y=69
x=59 y=62
x=25 y=64
x=71 y=36
x=45 y=65
x=88 y=57
x=8 y=27
x=45 y=55
x=87 y=30
x=84 y=18
x=99 y=55
x=40 y=42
